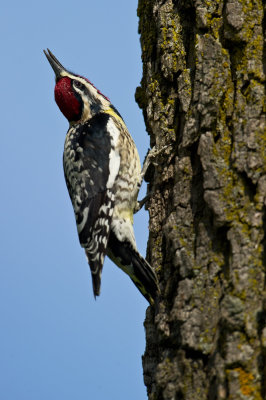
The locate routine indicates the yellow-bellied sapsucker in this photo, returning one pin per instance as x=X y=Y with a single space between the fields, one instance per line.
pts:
x=103 y=177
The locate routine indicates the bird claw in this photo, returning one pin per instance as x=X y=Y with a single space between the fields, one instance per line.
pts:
x=140 y=204
x=152 y=154
x=155 y=152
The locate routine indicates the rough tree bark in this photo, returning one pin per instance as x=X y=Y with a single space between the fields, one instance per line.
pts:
x=202 y=94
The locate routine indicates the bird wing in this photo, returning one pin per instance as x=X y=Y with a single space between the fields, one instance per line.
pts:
x=91 y=165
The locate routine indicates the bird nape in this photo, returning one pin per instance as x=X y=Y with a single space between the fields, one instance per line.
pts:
x=103 y=176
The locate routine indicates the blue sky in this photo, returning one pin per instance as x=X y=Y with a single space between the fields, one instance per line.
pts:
x=56 y=341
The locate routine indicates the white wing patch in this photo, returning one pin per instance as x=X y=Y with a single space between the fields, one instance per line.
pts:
x=114 y=157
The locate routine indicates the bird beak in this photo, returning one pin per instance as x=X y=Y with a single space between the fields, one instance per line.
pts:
x=55 y=64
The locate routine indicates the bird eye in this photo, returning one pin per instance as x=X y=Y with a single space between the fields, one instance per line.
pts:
x=78 y=84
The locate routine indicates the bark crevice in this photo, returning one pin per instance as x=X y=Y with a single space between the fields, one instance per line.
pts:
x=202 y=95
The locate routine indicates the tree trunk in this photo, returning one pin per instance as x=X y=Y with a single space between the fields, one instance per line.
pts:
x=202 y=95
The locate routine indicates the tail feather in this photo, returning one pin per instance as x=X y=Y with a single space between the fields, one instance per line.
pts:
x=144 y=278
x=96 y=266
x=139 y=270
x=96 y=283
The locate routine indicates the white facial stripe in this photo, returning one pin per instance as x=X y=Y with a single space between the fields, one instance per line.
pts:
x=90 y=98
x=88 y=85
x=87 y=102
x=74 y=77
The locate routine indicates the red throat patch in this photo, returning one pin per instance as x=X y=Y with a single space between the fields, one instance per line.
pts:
x=66 y=99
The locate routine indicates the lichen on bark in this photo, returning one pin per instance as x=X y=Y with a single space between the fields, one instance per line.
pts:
x=203 y=95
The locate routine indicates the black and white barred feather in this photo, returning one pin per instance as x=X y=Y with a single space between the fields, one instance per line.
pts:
x=103 y=175
x=87 y=167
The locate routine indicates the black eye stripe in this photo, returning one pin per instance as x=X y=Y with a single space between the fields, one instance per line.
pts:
x=78 y=84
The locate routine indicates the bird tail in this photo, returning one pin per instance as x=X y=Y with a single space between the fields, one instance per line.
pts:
x=96 y=281
x=96 y=266
x=133 y=264
x=144 y=278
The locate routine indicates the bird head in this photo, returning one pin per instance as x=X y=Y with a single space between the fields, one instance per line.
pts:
x=77 y=98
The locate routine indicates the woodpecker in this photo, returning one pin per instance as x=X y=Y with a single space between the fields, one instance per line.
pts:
x=103 y=176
